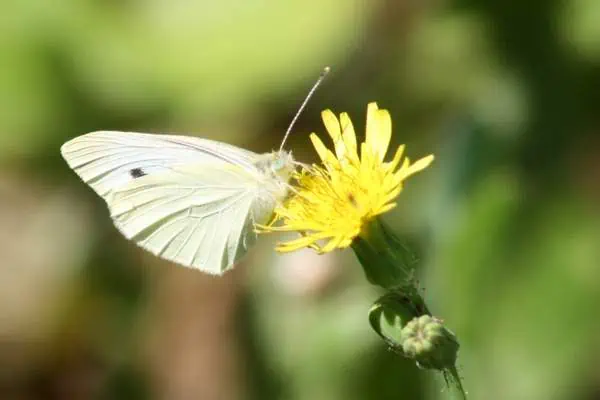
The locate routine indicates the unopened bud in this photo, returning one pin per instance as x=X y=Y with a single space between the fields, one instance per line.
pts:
x=427 y=341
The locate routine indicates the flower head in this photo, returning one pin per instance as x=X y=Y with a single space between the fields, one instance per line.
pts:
x=332 y=202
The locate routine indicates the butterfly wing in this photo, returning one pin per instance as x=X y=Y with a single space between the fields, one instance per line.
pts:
x=201 y=216
x=106 y=160
x=188 y=200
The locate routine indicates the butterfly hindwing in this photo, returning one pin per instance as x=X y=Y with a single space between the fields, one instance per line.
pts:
x=207 y=225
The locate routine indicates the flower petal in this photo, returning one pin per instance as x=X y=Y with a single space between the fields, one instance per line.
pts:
x=396 y=160
x=379 y=130
x=332 y=244
x=408 y=170
x=349 y=137
x=385 y=208
x=331 y=124
x=326 y=156
x=303 y=241
x=333 y=128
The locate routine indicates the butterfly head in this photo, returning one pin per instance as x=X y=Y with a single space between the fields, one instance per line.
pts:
x=276 y=168
x=282 y=164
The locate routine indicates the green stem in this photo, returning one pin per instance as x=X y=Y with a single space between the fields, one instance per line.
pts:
x=453 y=379
x=390 y=264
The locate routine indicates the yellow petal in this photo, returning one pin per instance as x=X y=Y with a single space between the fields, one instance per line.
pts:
x=422 y=163
x=372 y=126
x=333 y=128
x=331 y=124
x=345 y=243
x=289 y=247
x=408 y=170
x=396 y=160
x=303 y=241
x=365 y=157
x=386 y=208
x=349 y=137
x=324 y=154
x=392 y=194
x=330 y=246
x=378 y=131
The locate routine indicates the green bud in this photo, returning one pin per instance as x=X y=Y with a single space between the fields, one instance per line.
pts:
x=426 y=340
x=386 y=259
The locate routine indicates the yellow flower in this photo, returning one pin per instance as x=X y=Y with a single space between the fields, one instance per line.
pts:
x=332 y=203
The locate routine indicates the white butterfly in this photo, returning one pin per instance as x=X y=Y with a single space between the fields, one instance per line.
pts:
x=188 y=200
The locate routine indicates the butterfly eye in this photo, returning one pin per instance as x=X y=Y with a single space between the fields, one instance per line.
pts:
x=278 y=164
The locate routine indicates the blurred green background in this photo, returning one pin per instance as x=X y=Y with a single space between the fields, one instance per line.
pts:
x=507 y=222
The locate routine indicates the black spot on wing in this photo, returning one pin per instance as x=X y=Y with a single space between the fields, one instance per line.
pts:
x=136 y=173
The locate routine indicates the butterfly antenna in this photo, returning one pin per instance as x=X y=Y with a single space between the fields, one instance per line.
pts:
x=308 y=96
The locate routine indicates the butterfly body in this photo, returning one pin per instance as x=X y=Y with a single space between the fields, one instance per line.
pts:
x=188 y=200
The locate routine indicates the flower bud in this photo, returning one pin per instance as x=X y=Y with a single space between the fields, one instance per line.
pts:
x=427 y=341
x=386 y=260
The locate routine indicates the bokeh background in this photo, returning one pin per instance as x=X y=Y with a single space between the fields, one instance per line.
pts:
x=507 y=222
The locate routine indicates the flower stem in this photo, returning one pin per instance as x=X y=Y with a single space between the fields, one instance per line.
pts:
x=453 y=379
x=400 y=317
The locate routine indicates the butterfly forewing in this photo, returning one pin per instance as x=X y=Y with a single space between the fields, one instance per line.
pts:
x=188 y=200
x=109 y=159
